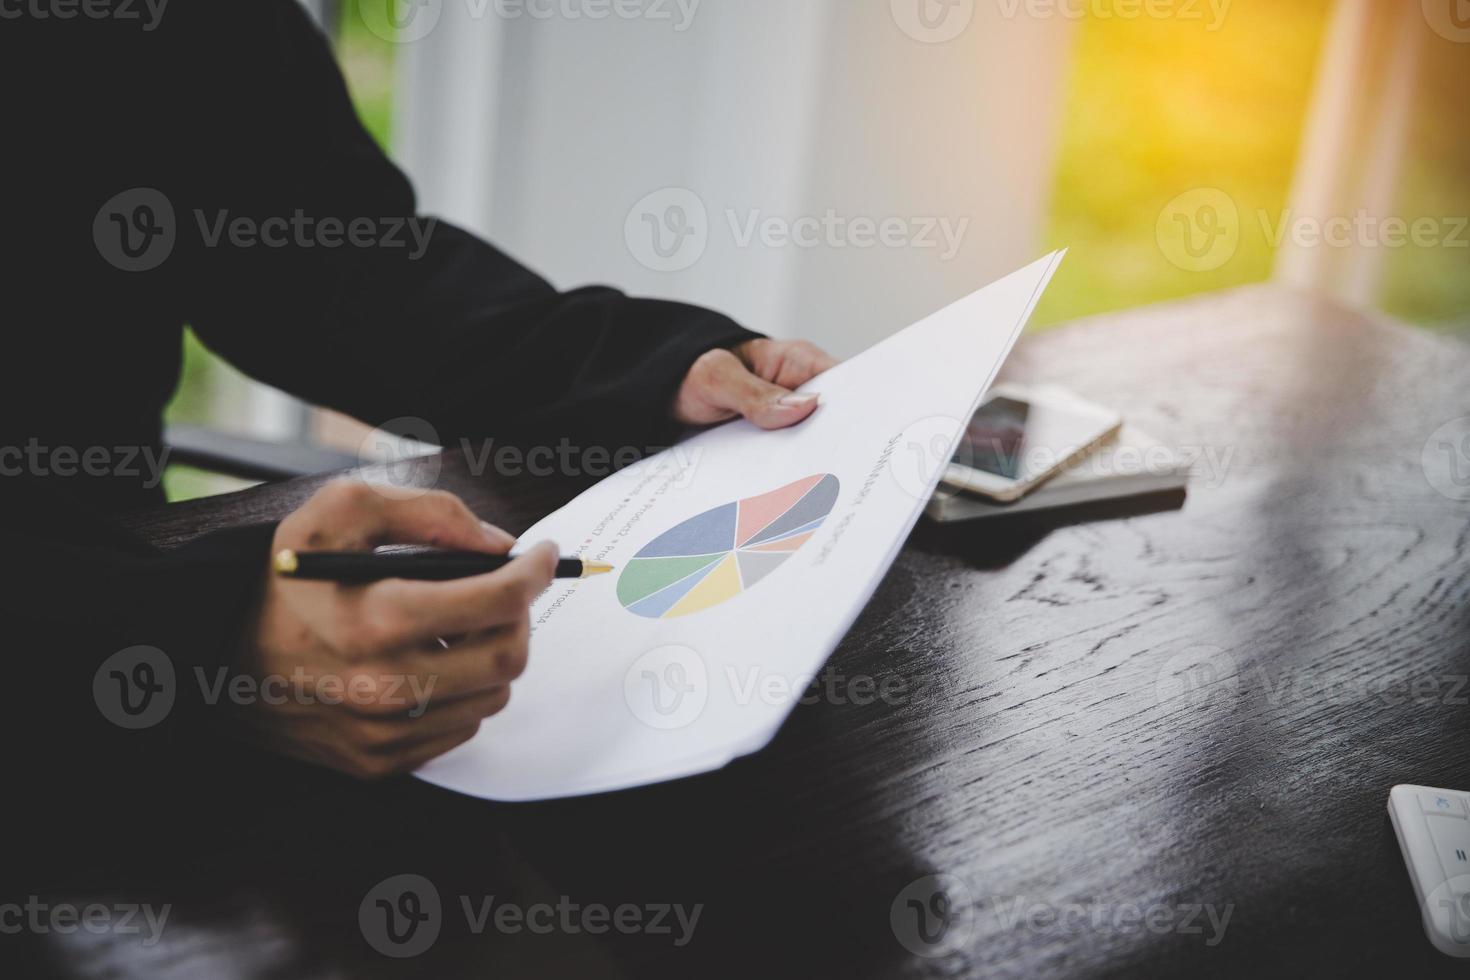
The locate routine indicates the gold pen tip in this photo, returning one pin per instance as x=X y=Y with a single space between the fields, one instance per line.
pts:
x=591 y=568
x=286 y=562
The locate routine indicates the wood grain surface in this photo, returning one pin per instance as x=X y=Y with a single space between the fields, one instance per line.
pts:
x=1153 y=740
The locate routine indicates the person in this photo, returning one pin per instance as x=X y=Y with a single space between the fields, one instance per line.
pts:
x=207 y=169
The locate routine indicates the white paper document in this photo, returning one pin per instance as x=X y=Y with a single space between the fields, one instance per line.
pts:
x=742 y=558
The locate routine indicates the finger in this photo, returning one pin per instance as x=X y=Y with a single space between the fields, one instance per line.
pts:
x=395 y=735
x=729 y=385
x=411 y=614
x=421 y=681
x=372 y=760
x=450 y=716
x=788 y=363
x=351 y=515
x=822 y=361
x=477 y=663
x=438 y=520
x=471 y=709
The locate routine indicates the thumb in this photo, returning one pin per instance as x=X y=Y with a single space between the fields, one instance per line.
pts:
x=351 y=515
x=732 y=387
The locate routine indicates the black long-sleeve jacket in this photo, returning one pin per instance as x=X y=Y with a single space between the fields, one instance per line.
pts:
x=204 y=167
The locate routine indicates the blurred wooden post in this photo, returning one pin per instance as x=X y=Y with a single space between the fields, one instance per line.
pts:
x=1353 y=145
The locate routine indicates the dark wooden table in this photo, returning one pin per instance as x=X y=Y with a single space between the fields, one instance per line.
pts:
x=1115 y=728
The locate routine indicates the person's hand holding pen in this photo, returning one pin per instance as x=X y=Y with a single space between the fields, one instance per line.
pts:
x=419 y=664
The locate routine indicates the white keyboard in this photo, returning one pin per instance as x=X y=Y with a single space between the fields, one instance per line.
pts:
x=1433 y=828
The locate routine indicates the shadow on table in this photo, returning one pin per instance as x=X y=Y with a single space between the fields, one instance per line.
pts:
x=996 y=542
x=270 y=868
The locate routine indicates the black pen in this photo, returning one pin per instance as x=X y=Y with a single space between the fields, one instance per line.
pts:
x=360 y=567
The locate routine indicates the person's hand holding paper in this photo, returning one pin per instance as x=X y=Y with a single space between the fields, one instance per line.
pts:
x=744 y=556
x=756 y=380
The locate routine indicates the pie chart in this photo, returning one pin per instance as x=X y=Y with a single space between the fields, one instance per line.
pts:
x=716 y=555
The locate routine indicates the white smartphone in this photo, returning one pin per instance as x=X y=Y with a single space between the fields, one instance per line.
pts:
x=1021 y=437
